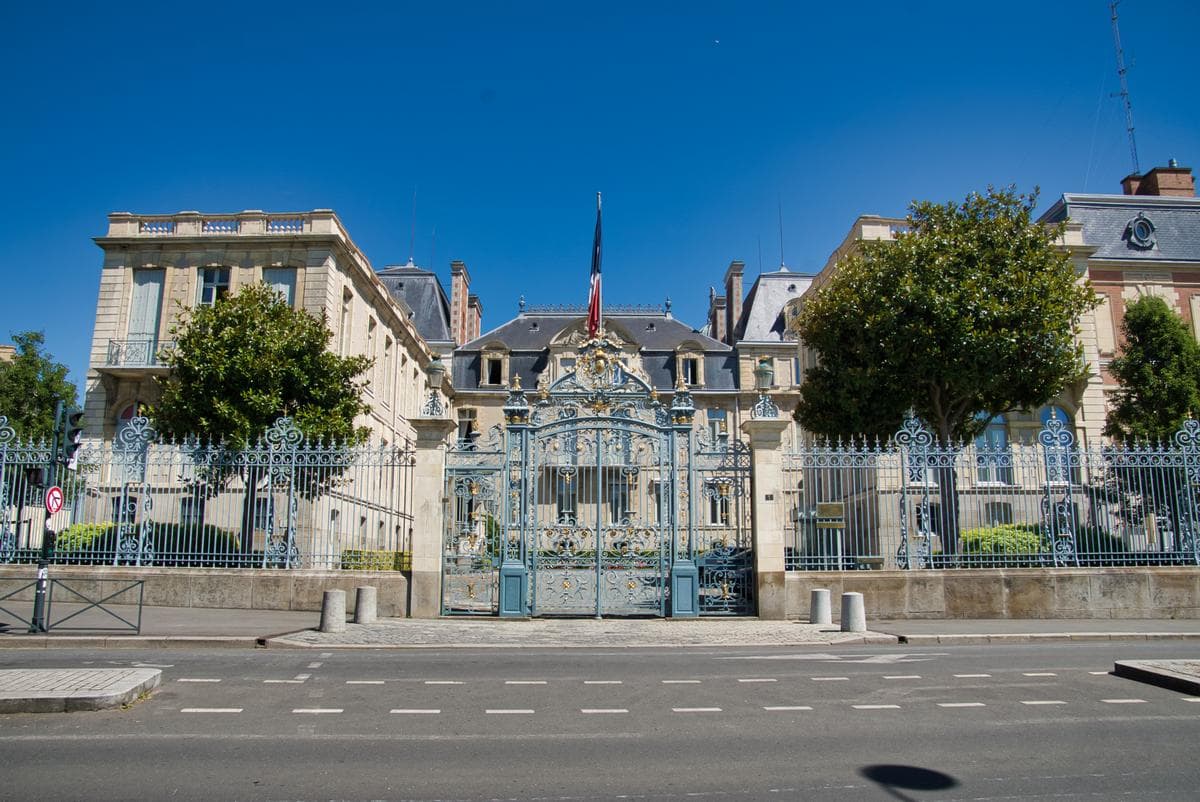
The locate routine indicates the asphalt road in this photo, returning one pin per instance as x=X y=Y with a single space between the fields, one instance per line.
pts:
x=978 y=723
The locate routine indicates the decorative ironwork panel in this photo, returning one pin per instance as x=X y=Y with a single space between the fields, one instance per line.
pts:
x=476 y=482
x=723 y=534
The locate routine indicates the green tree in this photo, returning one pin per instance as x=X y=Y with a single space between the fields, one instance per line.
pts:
x=970 y=313
x=1158 y=371
x=250 y=358
x=30 y=385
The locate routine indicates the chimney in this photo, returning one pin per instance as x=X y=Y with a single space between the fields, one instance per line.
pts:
x=460 y=283
x=733 y=299
x=1172 y=180
x=474 y=317
x=716 y=315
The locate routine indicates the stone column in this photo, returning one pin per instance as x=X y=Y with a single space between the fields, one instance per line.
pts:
x=429 y=526
x=766 y=455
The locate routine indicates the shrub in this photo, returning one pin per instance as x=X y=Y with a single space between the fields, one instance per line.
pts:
x=369 y=560
x=1003 y=539
x=80 y=537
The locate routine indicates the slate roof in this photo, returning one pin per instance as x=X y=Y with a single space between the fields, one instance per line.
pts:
x=421 y=291
x=533 y=331
x=1105 y=218
x=762 y=314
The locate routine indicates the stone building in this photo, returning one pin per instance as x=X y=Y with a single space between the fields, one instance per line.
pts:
x=157 y=265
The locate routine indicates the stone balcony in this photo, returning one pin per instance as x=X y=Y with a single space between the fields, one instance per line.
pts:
x=132 y=358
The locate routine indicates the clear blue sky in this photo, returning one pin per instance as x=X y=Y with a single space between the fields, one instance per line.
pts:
x=695 y=120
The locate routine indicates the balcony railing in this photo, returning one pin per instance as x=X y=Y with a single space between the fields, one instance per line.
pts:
x=137 y=353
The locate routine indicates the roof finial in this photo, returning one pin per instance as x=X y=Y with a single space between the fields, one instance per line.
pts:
x=521 y=304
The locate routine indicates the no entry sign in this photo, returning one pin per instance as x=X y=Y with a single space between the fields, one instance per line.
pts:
x=54 y=499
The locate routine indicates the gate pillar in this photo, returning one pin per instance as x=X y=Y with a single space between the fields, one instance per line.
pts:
x=685 y=574
x=766 y=460
x=429 y=525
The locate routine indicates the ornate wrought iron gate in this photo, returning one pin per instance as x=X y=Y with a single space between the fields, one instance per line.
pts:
x=596 y=498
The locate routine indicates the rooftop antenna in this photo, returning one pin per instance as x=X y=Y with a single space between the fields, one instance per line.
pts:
x=782 y=263
x=412 y=236
x=1124 y=93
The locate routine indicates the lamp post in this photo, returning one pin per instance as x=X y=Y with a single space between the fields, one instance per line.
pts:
x=435 y=371
x=764 y=380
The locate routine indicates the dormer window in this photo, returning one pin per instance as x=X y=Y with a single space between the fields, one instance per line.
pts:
x=689 y=366
x=493 y=370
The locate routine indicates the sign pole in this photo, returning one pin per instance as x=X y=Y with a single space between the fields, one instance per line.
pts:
x=54 y=503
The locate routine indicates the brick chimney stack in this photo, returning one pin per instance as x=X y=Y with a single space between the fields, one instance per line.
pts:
x=733 y=298
x=474 y=317
x=716 y=315
x=1171 y=180
x=460 y=285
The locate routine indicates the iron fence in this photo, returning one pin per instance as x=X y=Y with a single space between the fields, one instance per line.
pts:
x=284 y=502
x=915 y=503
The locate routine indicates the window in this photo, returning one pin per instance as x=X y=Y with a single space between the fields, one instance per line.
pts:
x=344 y=321
x=283 y=281
x=144 y=310
x=997 y=512
x=618 y=499
x=124 y=509
x=214 y=285
x=494 y=370
x=993 y=460
x=191 y=512
x=371 y=326
x=264 y=513
x=466 y=424
x=690 y=367
x=564 y=499
x=718 y=507
x=385 y=387
x=718 y=426
x=795 y=371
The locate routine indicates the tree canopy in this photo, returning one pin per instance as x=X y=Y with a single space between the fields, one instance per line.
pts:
x=31 y=384
x=970 y=313
x=250 y=358
x=1158 y=370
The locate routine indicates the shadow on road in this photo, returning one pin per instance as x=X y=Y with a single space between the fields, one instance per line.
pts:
x=893 y=778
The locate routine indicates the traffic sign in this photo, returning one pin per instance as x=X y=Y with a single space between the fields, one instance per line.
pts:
x=54 y=499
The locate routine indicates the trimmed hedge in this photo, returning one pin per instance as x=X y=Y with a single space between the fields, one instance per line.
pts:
x=369 y=560
x=1003 y=539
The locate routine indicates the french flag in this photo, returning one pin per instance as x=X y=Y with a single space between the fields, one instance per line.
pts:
x=594 y=304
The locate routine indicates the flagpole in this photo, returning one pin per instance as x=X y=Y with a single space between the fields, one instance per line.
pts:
x=600 y=300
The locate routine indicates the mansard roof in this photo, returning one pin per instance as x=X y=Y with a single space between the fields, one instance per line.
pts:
x=650 y=330
x=1106 y=218
x=762 y=314
x=423 y=294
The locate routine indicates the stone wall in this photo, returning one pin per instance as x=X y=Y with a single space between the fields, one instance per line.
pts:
x=1009 y=593
x=212 y=587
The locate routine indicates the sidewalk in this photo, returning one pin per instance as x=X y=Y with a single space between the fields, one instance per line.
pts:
x=194 y=627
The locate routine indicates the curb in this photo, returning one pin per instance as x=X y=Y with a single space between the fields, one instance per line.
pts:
x=1152 y=674
x=870 y=639
x=129 y=642
x=80 y=700
x=1041 y=637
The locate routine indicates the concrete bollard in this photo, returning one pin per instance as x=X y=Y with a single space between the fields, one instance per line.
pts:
x=365 y=604
x=854 y=613
x=333 y=611
x=820 y=609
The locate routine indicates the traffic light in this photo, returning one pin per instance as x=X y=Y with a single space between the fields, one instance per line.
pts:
x=72 y=438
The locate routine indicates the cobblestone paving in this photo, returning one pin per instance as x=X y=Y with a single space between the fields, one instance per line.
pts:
x=582 y=633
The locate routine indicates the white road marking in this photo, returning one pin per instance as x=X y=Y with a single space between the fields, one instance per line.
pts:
x=961 y=704
x=1040 y=674
x=1098 y=673
x=1124 y=701
x=524 y=682
x=314 y=665
x=196 y=679
x=829 y=679
x=972 y=676
x=695 y=710
x=326 y=654
x=508 y=711
x=590 y=710
x=302 y=677
x=442 y=682
x=413 y=711
x=210 y=710
x=602 y=682
x=681 y=682
x=901 y=676
x=788 y=707
x=317 y=711
x=1044 y=702
x=283 y=682
x=364 y=682
x=1191 y=698
x=765 y=679
x=876 y=707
